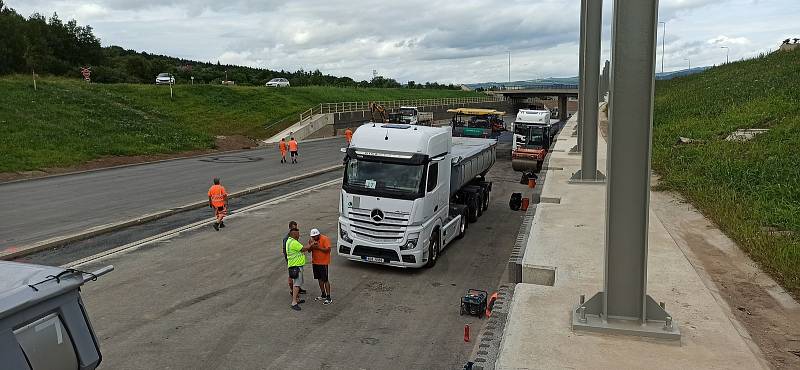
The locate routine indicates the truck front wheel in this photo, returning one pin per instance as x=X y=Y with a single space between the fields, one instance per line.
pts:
x=433 y=249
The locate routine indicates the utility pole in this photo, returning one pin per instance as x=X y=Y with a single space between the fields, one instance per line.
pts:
x=663 y=41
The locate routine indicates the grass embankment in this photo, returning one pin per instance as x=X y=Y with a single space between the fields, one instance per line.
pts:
x=750 y=189
x=67 y=122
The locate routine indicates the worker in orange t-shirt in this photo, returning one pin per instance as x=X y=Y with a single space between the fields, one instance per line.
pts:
x=348 y=135
x=293 y=149
x=218 y=200
x=282 y=147
x=320 y=259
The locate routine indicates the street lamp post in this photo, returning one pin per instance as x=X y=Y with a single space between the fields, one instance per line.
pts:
x=663 y=40
x=509 y=66
x=727 y=53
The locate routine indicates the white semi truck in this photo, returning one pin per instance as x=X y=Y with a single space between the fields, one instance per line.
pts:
x=412 y=116
x=408 y=191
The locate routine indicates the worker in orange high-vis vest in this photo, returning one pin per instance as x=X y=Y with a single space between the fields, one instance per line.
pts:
x=293 y=149
x=283 y=148
x=348 y=135
x=218 y=200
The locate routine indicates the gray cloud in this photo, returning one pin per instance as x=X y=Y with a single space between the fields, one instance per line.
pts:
x=436 y=40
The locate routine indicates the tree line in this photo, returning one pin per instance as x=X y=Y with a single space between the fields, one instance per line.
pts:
x=50 y=46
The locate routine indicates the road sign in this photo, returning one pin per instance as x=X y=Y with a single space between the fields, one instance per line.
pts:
x=86 y=72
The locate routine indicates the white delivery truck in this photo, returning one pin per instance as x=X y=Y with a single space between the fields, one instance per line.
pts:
x=408 y=191
x=412 y=116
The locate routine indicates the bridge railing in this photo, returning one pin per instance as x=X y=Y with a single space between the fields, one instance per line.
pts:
x=534 y=87
x=359 y=106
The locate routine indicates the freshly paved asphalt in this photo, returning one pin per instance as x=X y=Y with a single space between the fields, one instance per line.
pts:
x=40 y=209
x=219 y=300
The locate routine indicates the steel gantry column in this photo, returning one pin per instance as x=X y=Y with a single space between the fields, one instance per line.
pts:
x=593 y=27
x=581 y=46
x=623 y=306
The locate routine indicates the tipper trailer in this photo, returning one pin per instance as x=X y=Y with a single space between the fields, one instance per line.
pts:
x=408 y=191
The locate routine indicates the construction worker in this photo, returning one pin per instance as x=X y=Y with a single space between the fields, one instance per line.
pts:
x=282 y=147
x=293 y=149
x=218 y=200
x=320 y=259
x=292 y=225
x=295 y=259
x=348 y=135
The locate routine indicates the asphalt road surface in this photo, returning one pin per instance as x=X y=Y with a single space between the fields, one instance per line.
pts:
x=219 y=300
x=39 y=209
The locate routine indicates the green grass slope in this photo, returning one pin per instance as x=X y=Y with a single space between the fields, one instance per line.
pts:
x=67 y=122
x=750 y=189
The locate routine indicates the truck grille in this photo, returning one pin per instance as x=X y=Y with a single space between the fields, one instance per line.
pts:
x=389 y=230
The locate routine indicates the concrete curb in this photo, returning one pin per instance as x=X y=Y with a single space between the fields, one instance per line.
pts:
x=15 y=252
x=487 y=346
x=261 y=145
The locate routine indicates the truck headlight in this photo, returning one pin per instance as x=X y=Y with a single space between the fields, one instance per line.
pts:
x=411 y=243
x=344 y=235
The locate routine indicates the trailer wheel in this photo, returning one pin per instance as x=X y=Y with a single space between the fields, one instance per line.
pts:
x=433 y=249
x=479 y=202
x=472 y=207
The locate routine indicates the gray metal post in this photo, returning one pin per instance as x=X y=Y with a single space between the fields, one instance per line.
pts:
x=591 y=76
x=581 y=86
x=623 y=306
x=604 y=80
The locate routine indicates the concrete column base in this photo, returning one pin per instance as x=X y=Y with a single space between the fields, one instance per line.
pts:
x=575 y=150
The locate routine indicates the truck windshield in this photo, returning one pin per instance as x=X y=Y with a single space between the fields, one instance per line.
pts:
x=532 y=136
x=407 y=111
x=381 y=177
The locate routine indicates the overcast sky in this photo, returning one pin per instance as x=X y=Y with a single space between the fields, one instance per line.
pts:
x=423 y=40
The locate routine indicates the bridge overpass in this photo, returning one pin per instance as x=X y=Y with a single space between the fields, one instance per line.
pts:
x=518 y=94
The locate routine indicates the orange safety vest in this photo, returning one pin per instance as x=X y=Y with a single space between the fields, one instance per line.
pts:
x=217 y=194
x=282 y=146
x=293 y=145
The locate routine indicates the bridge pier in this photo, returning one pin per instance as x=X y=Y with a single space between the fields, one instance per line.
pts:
x=562 y=108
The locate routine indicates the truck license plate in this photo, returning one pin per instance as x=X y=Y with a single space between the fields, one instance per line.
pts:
x=374 y=259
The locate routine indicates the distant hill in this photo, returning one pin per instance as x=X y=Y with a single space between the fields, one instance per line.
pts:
x=525 y=83
x=680 y=73
x=574 y=80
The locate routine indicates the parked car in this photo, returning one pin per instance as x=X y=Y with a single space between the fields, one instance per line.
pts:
x=278 y=82
x=165 y=79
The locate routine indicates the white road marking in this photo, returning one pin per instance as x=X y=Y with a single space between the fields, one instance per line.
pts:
x=193 y=226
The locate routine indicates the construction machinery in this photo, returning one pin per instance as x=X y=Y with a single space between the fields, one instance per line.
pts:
x=473 y=122
x=533 y=134
x=377 y=110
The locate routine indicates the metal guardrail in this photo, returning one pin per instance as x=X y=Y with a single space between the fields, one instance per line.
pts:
x=358 y=106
